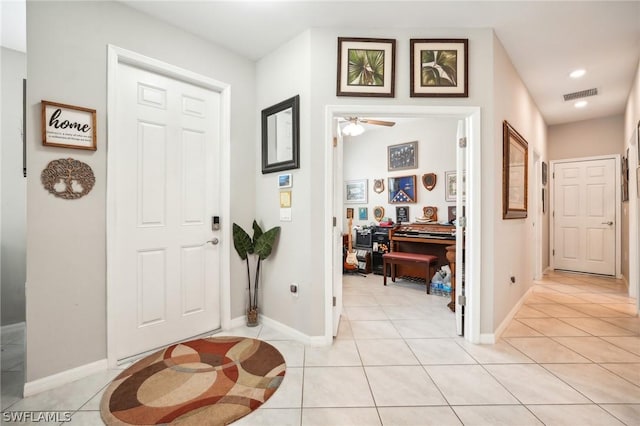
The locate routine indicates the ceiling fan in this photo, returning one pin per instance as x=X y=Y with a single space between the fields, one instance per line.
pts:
x=354 y=128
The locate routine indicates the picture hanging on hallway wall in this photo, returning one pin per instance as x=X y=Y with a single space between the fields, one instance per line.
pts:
x=515 y=168
x=439 y=68
x=366 y=67
x=68 y=126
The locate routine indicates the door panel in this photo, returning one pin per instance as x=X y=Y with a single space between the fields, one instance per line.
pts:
x=167 y=187
x=584 y=216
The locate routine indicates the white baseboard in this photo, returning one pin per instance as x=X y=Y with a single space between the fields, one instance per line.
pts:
x=12 y=327
x=487 y=338
x=64 y=377
x=284 y=329
x=507 y=320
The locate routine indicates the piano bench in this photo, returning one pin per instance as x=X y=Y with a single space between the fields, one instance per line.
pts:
x=403 y=258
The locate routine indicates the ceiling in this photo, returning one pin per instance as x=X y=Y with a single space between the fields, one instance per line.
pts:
x=545 y=40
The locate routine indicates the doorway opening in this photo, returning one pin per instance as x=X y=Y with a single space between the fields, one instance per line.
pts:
x=468 y=139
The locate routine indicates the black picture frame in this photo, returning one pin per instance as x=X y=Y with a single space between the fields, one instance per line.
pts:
x=288 y=112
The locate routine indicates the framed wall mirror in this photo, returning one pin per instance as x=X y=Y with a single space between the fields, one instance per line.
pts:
x=281 y=136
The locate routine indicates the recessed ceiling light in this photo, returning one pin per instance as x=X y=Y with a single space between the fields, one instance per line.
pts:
x=577 y=73
x=580 y=104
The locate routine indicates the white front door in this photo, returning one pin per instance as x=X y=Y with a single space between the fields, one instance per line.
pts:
x=167 y=152
x=584 y=216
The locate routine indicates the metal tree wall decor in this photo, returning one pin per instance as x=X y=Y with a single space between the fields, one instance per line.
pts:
x=68 y=178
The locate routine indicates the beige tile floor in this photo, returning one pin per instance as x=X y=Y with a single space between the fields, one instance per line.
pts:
x=571 y=356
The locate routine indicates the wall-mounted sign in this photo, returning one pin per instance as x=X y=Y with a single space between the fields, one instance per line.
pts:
x=68 y=126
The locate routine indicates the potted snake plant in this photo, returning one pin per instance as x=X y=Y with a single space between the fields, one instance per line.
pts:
x=261 y=246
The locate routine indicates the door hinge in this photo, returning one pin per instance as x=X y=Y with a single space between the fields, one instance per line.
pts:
x=335 y=222
x=462 y=221
x=462 y=142
x=335 y=142
x=553 y=252
x=462 y=300
x=334 y=301
x=553 y=175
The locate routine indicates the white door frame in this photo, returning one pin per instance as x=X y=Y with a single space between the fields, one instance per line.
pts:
x=473 y=236
x=538 y=216
x=618 y=230
x=115 y=56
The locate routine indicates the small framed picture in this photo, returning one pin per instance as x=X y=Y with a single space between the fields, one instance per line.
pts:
x=363 y=213
x=402 y=214
x=402 y=156
x=349 y=212
x=355 y=191
x=402 y=189
x=439 y=68
x=285 y=199
x=68 y=126
x=366 y=67
x=451 y=182
x=285 y=181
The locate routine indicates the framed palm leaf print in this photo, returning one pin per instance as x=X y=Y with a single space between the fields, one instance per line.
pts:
x=439 y=68
x=366 y=67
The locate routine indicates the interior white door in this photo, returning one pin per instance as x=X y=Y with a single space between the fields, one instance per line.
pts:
x=584 y=216
x=167 y=282
x=337 y=230
x=461 y=190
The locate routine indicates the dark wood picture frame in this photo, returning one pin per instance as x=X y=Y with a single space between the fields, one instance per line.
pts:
x=68 y=126
x=515 y=173
x=271 y=130
x=450 y=78
x=375 y=55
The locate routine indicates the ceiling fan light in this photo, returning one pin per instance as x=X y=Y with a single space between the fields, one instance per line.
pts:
x=353 y=129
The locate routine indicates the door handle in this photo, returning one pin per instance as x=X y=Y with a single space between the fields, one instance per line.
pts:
x=213 y=241
x=608 y=223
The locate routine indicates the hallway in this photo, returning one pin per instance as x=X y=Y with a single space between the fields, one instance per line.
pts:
x=571 y=356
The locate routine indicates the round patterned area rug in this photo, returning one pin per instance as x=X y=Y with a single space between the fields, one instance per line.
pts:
x=202 y=382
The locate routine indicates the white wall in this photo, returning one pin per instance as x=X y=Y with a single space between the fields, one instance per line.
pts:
x=14 y=188
x=289 y=263
x=631 y=139
x=509 y=242
x=589 y=138
x=365 y=157
x=66 y=291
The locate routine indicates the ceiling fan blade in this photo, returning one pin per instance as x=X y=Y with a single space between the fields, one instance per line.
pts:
x=377 y=122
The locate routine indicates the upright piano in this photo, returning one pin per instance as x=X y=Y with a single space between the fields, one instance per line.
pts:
x=425 y=238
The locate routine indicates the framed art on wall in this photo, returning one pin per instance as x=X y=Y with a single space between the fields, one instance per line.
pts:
x=363 y=213
x=451 y=182
x=439 y=68
x=515 y=157
x=355 y=191
x=402 y=189
x=68 y=126
x=402 y=156
x=366 y=67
